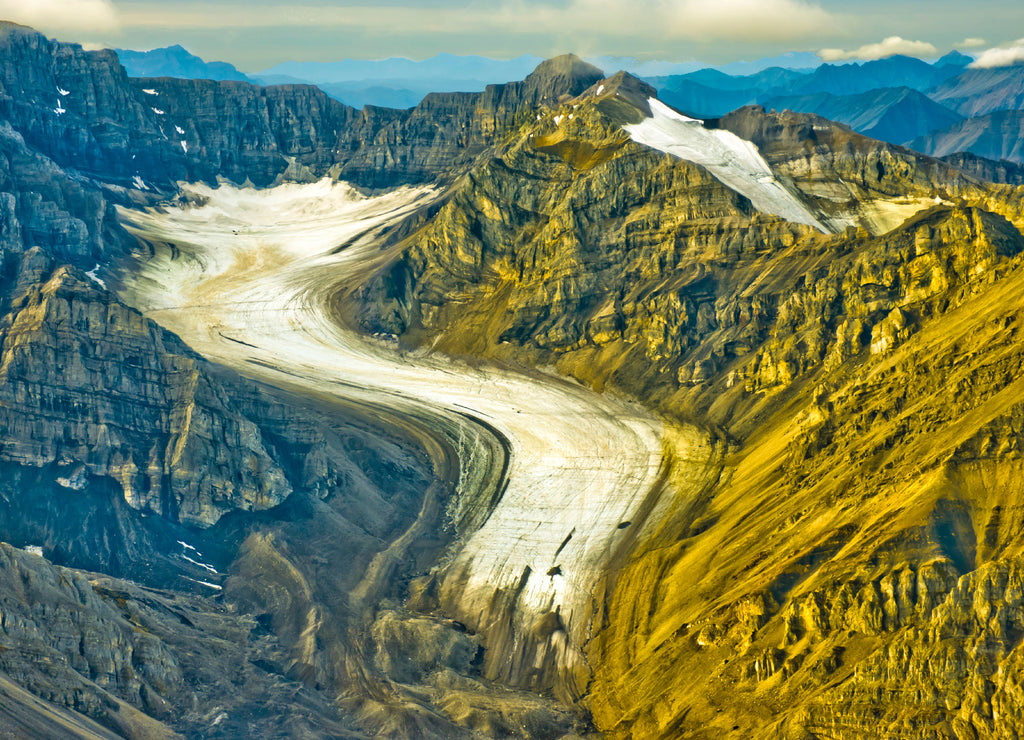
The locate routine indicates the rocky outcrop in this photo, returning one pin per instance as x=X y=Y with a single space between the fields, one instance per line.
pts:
x=145 y=663
x=92 y=388
x=1002 y=172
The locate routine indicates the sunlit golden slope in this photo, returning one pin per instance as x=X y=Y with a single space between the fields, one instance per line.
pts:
x=853 y=572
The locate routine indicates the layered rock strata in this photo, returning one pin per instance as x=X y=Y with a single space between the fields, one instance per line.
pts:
x=866 y=381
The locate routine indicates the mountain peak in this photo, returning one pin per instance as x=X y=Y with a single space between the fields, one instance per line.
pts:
x=953 y=59
x=561 y=76
x=566 y=65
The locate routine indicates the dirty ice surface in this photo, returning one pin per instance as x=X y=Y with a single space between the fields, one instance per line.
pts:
x=250 y=287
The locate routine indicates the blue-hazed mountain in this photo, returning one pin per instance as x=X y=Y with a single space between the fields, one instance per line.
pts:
x=896 y=115
x=399 y=82
x=975 y=92
x=712 y=92
x=701 y=101
x=998 y=135
x=709 y=93
x=175 y=61
x=437 y=70
x=894 y=71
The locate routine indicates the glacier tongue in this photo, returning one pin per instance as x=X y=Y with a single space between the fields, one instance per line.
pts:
x=250 y=285
x=734 y=161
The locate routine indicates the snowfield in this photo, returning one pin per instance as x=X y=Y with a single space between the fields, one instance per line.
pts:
x=734 y=161
x=250 y=289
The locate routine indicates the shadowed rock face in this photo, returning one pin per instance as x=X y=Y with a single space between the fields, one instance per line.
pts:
x=97 y=390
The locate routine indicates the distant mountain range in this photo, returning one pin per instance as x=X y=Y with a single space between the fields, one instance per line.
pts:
x=402 y=83
x=175 y=61
x=939 y=108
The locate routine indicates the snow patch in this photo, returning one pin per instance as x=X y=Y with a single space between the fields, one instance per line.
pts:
x=201 y=565
x=150 y=91
x=204 y=583
x=60 y=109
x=158 y=111
x=735 y=162
x=184 y=146
x=94 y=276
x=62 y=91
x=139 y=183
x=600 y=88
x=34 y=549
x=179 y=129
x=558 y=120
x=186 y=545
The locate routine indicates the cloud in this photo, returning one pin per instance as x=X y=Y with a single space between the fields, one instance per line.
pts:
x=62 y=16
x=886 y=48
x=760 y=20
x=1001 y=56
x=969 y=43
x=695 y=20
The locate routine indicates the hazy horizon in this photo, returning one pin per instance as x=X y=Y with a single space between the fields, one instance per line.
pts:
x=258 y=35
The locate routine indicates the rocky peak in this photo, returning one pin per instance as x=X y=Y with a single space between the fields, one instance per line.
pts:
x=563 y=75
x=625 y=88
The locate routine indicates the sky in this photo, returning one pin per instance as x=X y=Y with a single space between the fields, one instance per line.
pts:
x=257 y=34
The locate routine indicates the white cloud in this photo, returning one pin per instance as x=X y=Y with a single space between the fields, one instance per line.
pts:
x=761 y=20
x=697 y=20
x=1001 y=56
x=969 y=43
x=886 y=48
x=62 y=16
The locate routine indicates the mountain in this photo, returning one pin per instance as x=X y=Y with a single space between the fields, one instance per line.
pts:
x=894 y=71
x=801 y=346
x=649 y=68
x=175 y=61
x=895 y=115
x=953 y=59
x=1001 y=171
x=702 y=101
x=437 y=69
x=709 y=93
x=975 y=92
x=399 y=83
x=766 y=79
x=569 y=416
x=794 y=60
x=712 y=92
x=997 y=136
